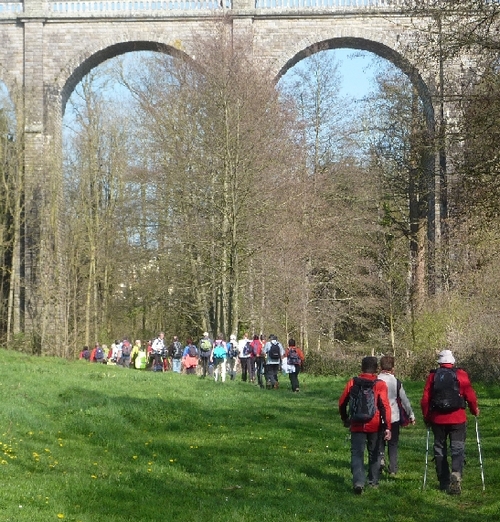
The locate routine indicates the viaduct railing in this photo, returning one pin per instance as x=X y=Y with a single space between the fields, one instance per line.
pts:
x=82 y=8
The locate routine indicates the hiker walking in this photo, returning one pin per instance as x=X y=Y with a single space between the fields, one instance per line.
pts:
x=294 y=359
x=447 y=392
x=244 y=354
x=190 y=357
x=175 y=352
x=260 y=360
x=218 y=358
x=363 y=405
x=397 y=399
x=274 y=353
x=205 y=346
x=232 y=357
x=158 y=352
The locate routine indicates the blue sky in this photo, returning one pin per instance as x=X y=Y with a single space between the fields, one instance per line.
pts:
x=357 y=71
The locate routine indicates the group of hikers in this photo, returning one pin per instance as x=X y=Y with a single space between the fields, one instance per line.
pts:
x=259 y=360
x=374 y=406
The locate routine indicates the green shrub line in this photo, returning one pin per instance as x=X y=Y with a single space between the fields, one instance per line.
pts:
x=91 y=443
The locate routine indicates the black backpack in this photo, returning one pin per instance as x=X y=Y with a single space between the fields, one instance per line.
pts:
x=445 y=391
x=232 y=351
x=177 y=351
x=362 y=407
x=275 y=352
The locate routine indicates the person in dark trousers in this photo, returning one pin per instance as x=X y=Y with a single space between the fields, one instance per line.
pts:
x=394 y=389
x=366 y=434
x=447 y=391
x=295 y=358
x=205 y=349
x=274 y=352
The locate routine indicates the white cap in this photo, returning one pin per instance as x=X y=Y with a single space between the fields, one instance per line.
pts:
x=446 y=357
x=232 y=338
x=205 y=334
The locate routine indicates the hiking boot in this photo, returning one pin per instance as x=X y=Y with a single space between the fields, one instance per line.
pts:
x=358 y=490
x=455 y=484
x=277 y=385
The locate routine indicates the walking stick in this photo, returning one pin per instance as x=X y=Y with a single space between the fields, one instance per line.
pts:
x=479 y=451
x=426 y=456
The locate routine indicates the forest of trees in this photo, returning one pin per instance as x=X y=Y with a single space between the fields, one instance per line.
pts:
x=203 y=196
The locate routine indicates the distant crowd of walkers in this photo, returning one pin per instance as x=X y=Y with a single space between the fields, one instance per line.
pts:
x=259 y=360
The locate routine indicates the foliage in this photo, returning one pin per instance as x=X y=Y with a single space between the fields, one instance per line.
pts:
x=85 y=442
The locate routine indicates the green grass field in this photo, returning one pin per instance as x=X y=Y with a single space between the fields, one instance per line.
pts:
x=86 y=442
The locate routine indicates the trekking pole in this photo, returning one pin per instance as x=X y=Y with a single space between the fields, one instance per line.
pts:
x=426 y=456
x=479 y=451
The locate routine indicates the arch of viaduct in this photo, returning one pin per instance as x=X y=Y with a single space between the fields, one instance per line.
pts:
x=48 y=46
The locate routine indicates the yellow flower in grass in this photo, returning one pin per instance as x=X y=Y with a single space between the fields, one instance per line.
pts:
x=60 y=515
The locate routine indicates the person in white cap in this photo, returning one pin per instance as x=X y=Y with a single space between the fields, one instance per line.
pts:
x=447 y=392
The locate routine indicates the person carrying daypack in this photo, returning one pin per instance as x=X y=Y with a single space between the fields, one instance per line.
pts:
x=363 y=406
x=274 y=353
x=205 y=346
x=175 y=351
x=446 y=394
x=126 y=353
x=400 y=405
x=190 y=357
x=245 y=351
x=218 y=358
x=99 y=356
x=232 y=357
x=294 y=359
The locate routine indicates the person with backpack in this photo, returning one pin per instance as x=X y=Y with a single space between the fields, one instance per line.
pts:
x=218 y=358
x=85 y=353
x=274 y=353
x=256 y=350
x=397 y=399
x=446 y=394
x=244 y=354
x=205 y=346
x=294 y=359
x=232 y=357
x=126 y=353
x=175 y=352
x=158 y=352
x=98 y=354
x=260 y=359
x=363 y=407
x=190 y=357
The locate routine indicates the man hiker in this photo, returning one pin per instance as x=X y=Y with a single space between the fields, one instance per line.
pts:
x=447 y=392
x=205 y=347
x=363 y=406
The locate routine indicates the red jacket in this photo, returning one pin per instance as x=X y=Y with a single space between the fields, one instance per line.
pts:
x=454 y=417
x=381 y=402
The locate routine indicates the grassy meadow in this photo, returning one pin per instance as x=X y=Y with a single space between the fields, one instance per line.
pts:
x=91 y=443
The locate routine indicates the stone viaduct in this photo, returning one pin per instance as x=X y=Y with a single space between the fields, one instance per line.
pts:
x=47 y=46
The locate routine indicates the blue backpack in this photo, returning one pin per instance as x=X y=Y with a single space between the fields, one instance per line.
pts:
x=219 y=351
